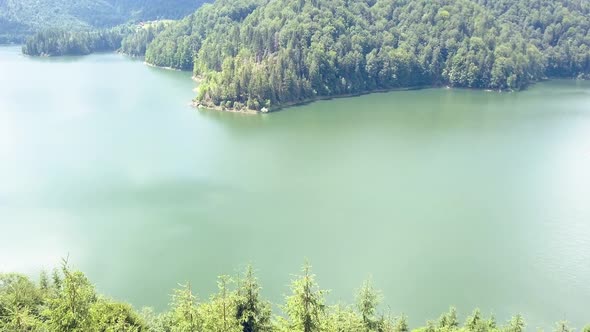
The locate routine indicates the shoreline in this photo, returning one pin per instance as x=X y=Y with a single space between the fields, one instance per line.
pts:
x=281 y=107
x=351 y=95
x=223 y=109
x=284 y=106
x=155 y=66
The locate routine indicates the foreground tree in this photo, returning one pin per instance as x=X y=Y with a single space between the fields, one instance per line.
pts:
x=70 y=304
x=219 y=314
x=109 y=316
x=184 y=314
x=562 y=326
x=305 y=308
x=367 y=300
x=516 y=324
x=344 y=319
x=252 y=312
x=449 y=320
x=252 y=54
x=69 y=310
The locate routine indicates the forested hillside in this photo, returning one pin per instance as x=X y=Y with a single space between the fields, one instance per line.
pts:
x=177 y=44
x=129 y=39
x=67 y=301
x=268 y=53
x=65 y=42
x=264 y=54
x=21 y=18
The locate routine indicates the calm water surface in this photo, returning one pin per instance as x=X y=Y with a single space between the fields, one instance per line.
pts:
x=446 y=197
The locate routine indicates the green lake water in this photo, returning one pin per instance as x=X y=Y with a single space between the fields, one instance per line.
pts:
x=443 y=196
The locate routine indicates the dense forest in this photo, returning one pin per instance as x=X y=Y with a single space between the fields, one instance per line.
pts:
x=129 y=39
x=22 y=18
x=136 y=42
x=65 y=42
x=67 y=301
x=264 y=54
x=267 y=53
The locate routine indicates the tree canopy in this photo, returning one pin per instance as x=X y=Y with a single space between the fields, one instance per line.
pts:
x=129 y=39
x=67 y=302
x=266 y=53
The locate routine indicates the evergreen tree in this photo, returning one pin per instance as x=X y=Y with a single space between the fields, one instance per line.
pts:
x=401 y=324
x=184 y=315
x=449 y=319
x=110 y=316
x=219 y=314
x=516 y=324
x=251 y=311
x=44 y=281
x=281 y=52
x=56 y=280
x=367 y=300
x=562 y=326
x=75 y=306
x=305 y=307
x=344 y=319
x=69 y=311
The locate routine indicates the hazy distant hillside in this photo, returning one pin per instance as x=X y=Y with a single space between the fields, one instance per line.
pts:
x=19 y=18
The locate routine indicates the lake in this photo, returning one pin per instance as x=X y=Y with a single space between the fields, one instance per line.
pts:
x=443 y=196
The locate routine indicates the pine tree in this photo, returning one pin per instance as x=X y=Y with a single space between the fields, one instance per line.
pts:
x=305 y=307
x=516 y=324
x=367 y=300
x=253 y=313
x=449 y=319
x=44 y=281
x=562 y=326
x=184 y=315
x=70 y=309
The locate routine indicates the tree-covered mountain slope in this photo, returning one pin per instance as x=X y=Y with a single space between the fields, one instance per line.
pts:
x=176 y=46
x=21 y=18
x=268 y=53
x=131 y=39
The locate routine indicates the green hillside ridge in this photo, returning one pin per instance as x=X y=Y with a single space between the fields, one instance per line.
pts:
x=22 y=18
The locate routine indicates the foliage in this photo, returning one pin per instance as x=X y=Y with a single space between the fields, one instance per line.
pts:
x=367 y=300
x=562 y=326
x=129 y=39
x=64 y=42
x=136 y=42
x=257 y=53
x=253 y=313
x=306 y=307
x=264 y=54
x=184 y=315
x=516 y=324
x=109 y=316
x=68 y=302
x=177 y=45
x=449 y=319
x=69 y=308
